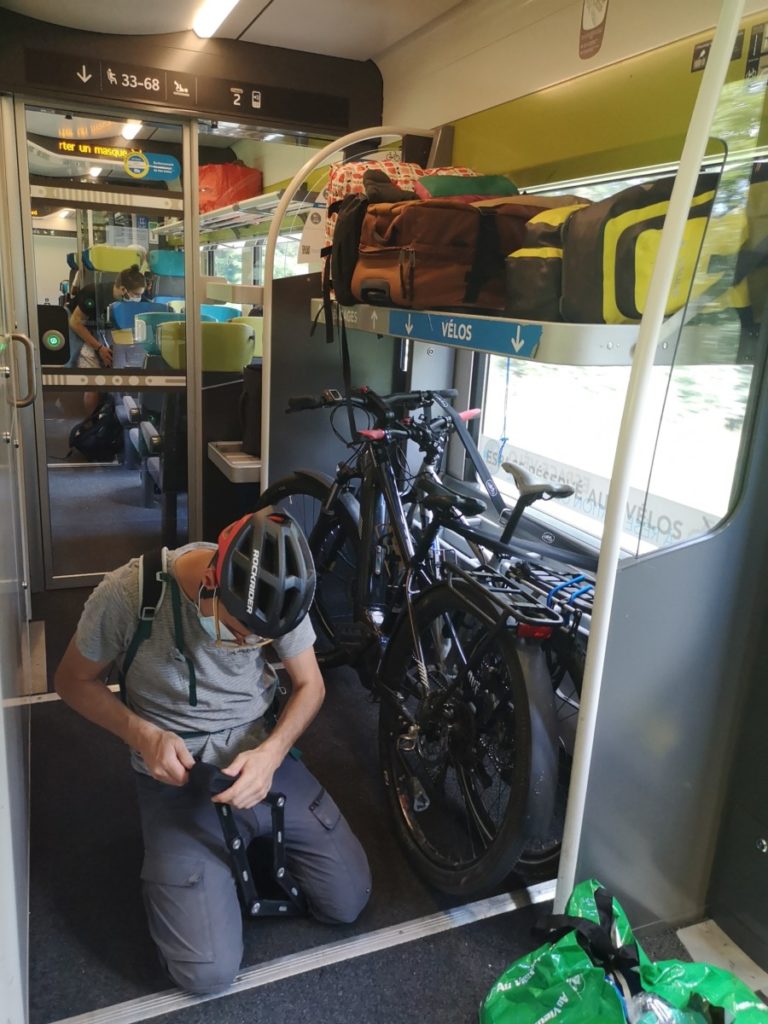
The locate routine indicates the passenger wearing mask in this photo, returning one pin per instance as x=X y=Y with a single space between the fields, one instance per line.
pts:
x=88 y=320
x=199 y=686
x=90 y=311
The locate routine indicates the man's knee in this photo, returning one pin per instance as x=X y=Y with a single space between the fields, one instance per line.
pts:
x=349 y=908
x=203 y=978
x=347 y=897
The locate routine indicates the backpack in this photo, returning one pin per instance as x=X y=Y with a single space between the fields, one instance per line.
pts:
x=344 y=248
x=350 y=213
x=99 y=437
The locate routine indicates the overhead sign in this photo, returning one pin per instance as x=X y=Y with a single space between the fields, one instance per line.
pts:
x=137 y=163
x=96 y=77
x=504 y=337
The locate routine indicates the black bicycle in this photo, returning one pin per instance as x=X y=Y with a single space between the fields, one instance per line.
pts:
x=467 y=731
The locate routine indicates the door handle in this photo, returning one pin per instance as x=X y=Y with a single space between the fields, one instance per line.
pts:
x=29 y=351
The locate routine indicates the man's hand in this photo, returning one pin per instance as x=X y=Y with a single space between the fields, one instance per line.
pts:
x=254 y=770
x=166 y=756
x=105 y=355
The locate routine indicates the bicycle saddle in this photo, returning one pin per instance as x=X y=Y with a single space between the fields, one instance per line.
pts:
x=443 y=504
x=529 y=486
x=442 y=500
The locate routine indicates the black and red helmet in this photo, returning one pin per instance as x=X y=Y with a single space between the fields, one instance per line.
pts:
x=265 y=572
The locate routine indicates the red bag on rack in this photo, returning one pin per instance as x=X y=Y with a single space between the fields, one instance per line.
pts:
x=225 y=184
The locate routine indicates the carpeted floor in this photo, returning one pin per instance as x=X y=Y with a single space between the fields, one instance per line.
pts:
x=88 y=939
x=89 y=943
x=98 y=518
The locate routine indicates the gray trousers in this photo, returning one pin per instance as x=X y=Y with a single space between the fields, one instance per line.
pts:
x=189 y=889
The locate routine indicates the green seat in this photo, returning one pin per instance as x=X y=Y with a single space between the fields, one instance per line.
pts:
x=257 y=323
x=145 y=327
x=226 y=347
x=171 y=341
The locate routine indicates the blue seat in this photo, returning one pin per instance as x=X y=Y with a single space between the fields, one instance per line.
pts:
x=220 y=313
x=122 y=314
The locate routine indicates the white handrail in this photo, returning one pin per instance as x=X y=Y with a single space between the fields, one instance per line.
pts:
x=629 y=432
x=363 y=135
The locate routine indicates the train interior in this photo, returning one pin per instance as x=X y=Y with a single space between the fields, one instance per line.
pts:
x=224 y=213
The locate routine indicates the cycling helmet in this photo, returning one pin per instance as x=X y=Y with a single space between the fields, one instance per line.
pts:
x=265 y=572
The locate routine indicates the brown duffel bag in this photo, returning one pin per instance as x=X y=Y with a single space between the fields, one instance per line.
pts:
x=441 y=253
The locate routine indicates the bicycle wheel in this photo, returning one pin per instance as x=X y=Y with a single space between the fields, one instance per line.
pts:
x=334 y=543
x=469 y=761
x=565 y=654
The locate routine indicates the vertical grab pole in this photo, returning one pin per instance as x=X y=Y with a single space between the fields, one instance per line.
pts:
x=637 y=393
x=364 y=135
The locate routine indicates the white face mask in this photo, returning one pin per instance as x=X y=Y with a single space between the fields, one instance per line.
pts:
x=208 y=622
x=131 y=298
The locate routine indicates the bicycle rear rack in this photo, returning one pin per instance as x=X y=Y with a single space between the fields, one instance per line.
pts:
x=561 y=590
x=511 y=598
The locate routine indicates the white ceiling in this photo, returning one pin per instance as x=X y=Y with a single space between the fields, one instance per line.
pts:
x=358 y=29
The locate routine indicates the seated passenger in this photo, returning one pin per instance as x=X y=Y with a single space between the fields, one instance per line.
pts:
x=200 y=687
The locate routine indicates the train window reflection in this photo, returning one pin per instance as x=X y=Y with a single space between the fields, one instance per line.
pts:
x=113 y=445
x=120 y=489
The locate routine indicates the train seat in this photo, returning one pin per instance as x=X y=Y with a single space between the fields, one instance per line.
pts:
x=123 y=314
x=257 y=323
x=227 y=347
x=220 y=313
x=145 y=327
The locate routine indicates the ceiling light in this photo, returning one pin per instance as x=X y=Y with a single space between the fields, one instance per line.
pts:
x=95 y=171
x=67 y=213
x=272 y=136
x=131 y=129
x=210 y=15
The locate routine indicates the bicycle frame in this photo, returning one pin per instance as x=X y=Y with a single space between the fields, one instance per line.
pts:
x=381 y=509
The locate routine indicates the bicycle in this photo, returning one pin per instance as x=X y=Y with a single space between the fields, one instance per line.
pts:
x=467 y=731
x=568 y=592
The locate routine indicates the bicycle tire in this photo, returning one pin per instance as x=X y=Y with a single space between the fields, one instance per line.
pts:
x=565 y=655
x=334 y=543
x=472 y=777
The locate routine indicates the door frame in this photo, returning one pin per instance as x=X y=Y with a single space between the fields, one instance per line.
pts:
x=14 y=715
x=37 y=502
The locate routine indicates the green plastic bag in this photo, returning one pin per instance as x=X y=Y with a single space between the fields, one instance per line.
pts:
x=595 y=972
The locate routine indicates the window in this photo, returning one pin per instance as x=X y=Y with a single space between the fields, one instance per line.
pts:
x=563 y=422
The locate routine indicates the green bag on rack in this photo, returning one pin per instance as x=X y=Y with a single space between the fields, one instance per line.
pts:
x=593 y=971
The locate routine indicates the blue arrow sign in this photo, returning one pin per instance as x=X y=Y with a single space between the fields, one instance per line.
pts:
x=505 y=337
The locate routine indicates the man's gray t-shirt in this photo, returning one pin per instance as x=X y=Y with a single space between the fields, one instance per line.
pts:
x=233 y=688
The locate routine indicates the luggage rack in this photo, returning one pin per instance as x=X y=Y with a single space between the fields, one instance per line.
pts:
x=247 y=213
x=565 y=344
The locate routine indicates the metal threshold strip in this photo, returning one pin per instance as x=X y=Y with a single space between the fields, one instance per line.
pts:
x=147 y=1007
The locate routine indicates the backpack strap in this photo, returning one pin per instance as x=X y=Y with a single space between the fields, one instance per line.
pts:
x=153 y=576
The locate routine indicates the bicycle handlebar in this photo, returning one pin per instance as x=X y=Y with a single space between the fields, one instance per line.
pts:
x=384 y=406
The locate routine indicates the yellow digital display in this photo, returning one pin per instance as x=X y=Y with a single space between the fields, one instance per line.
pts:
x=94 y=149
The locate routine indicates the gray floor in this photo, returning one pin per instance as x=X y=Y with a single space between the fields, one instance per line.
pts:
x=89 y=942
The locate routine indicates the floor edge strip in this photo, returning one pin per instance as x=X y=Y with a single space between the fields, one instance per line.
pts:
x=146 y=1007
